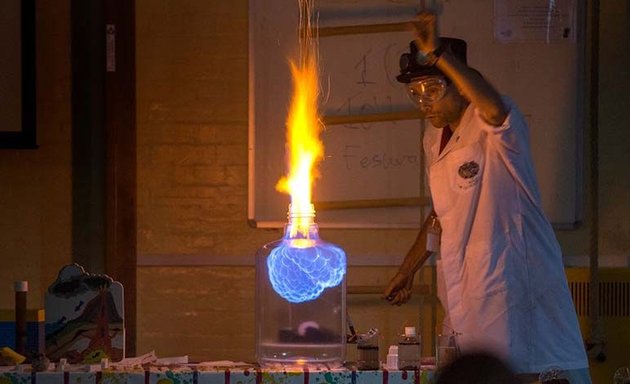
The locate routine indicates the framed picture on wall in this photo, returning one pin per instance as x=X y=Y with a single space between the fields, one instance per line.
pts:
x=17 y=74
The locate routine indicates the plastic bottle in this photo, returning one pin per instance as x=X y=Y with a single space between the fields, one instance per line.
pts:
x=409 y=349
x=392 y=358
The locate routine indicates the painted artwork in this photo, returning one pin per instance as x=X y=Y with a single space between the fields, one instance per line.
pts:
x=84 y=317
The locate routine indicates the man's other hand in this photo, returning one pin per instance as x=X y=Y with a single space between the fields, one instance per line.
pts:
x=398 y=290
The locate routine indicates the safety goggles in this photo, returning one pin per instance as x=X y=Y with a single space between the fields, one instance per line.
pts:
x=427 y=90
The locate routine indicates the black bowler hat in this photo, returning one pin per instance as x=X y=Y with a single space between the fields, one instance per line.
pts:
x=411 y=67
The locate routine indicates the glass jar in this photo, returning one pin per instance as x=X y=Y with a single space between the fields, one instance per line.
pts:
x=367 y=346
x=409 y=349
x=300 y=298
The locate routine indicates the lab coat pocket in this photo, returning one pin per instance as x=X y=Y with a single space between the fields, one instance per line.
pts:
x=485 y=270
x=466 y=168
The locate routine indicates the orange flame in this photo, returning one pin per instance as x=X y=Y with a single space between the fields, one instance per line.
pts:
x=304 y=148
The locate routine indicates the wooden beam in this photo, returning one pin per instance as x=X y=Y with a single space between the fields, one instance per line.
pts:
x=120 y=136
x=372 y=203
x=371 y=118
x=360 y=29
x=418 y=289
x=88 y=132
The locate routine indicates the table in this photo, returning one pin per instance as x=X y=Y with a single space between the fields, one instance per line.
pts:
x=202 y=375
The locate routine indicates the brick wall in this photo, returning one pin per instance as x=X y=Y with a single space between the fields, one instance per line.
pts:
x=35 y=185
x=192 y=186
x=192 y=178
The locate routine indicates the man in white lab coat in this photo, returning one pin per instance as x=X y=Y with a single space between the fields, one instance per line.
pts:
x=500 y=268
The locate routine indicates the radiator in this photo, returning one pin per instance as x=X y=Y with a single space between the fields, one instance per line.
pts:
x=613 y=312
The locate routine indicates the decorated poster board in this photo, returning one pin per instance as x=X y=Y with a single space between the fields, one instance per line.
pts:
x=84 y=317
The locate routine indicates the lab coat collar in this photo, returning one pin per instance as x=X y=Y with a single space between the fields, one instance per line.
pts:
x=459 y=132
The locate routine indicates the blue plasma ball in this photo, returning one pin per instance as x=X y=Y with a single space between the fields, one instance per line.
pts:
x=302 y=274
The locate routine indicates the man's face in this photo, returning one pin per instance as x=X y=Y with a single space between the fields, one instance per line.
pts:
x=436 y=99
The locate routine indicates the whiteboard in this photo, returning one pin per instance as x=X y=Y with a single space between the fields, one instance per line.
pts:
x=372 y=172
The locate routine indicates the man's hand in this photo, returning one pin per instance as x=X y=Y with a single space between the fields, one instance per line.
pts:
x=399 y=289
x=425 y=27
x=469 y=83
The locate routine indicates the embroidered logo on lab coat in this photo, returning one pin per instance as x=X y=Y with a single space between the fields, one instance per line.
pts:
x=468 y=175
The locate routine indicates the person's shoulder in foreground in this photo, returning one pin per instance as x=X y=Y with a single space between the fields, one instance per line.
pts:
x=481 y=367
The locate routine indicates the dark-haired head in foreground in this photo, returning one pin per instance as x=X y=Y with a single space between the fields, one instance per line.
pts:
x=477 y=368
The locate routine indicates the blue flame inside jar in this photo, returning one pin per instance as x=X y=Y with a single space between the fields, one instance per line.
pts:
x=301 y=269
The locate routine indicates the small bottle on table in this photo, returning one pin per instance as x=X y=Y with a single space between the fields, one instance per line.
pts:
x=409 y=349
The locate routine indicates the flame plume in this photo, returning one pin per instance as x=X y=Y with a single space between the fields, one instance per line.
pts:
x=303 y=266
x=304 y=125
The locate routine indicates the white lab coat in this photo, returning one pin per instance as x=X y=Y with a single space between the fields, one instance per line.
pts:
x=500 y=262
